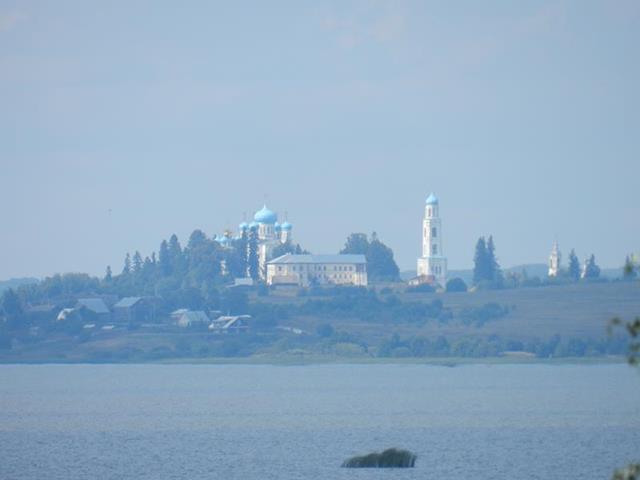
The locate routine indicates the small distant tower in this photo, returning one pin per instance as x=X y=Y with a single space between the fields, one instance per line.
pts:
x=432 y=263
x=554 y=260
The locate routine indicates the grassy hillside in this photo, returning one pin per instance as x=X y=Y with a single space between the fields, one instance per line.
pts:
x=580 y=310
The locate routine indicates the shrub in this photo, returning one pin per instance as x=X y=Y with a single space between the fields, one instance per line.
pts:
x=456 y=285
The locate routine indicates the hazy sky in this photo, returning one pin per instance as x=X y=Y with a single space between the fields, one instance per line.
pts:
x=124 y=122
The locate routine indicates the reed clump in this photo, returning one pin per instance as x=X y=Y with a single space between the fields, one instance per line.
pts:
x=390 y=458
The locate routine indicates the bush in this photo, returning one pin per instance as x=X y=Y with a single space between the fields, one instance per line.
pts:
x=423 y=288
x=390 y=458
x=456 y=285
x=325 y=330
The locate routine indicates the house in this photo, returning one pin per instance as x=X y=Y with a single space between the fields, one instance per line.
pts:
x=192 y=318
x=135 y=309
x=230 y=324
x=305 y=270
x=96 y=306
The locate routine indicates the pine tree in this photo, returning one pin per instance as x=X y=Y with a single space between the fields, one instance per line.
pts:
x=574 y=266
x=253 y=261
x=629 y=269
x=495 y=273
x=481 y=267
x=176 y=256
x=591 y=270
x=164 y=260
x=127 y=265
x=137 y=262
x=108 y=275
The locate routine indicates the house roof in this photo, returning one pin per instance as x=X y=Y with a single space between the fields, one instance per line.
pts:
x=314 y=259
x=127 y=302
x=194 y=317
x=96 y=305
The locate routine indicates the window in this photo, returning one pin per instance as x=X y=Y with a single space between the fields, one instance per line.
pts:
x=434 y=249
x=434 y=232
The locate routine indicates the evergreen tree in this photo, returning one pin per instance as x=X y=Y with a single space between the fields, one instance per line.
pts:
x=165 y=259
x=243 y=253
x=137 y=262
x=495 y=273
x=176 y=257
x=482 y=264
x=108 y=275
x=629 y=269
x=253 y=261
x=127 y=265
x=574 y=266
x=591 y=270
x=154 y=260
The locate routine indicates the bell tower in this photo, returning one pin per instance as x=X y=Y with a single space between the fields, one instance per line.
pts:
x=432 y=265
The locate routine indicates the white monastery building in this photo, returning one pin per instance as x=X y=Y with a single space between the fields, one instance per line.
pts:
x=305 y=270
x=432 y=265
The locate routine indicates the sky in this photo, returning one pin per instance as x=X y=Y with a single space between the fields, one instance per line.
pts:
x=123 y=122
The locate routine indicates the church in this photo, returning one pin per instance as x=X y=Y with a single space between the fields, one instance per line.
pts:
x=432 y=265
x=270 y=234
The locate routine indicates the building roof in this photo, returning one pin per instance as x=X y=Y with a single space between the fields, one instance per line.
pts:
x=127 y=302
x=286 y=226
x=312 y=259
x=194 y=316
x=432 y=199
x=96 y=305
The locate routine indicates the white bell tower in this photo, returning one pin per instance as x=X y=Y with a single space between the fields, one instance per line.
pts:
x=432 y=264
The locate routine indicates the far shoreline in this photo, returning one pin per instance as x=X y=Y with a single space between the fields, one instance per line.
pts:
x=313 y=360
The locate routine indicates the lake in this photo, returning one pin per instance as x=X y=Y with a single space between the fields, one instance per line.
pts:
x=257 y=422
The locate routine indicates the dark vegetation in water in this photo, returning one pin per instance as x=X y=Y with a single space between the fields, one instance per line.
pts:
x=390 y=458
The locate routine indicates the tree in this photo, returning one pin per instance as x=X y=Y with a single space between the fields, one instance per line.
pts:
x=481 y=267
x=456 y=285
x=574 y=266
x=164 y=259
x=137 y=262
x=196 y=240
x=127 y=265
x=108 y=275
x=11 y=303
x=494 y=266
x=381 y=265
x=176 y=256
x=380 y=262
x=356 y=243
x=253 y=261
x=591 y=270
x=629 y=269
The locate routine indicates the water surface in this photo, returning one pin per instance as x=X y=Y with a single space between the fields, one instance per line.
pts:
x=271 y=422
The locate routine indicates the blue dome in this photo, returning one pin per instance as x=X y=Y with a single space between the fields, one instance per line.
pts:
x=253 y=226
x=432 y=199
x=277 y=227
x=286 y=226
x=265 y=216
x=243 y=226
x=222 y=240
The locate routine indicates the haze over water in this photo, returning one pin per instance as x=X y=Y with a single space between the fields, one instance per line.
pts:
x=262 y=422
